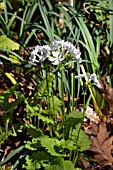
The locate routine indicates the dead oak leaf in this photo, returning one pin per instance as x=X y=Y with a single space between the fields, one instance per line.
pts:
x=102 y=146
x=91 y=128
x=107 y=93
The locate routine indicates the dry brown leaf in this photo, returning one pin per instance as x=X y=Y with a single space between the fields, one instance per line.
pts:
x=102 y=146
x=91 y=128
x=107 y=93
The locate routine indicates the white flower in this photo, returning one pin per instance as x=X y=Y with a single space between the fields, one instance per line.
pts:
x=95 y=80
x=43 y=57
x=32 y=59
x=54 y=52
x=72 y=50
x=55 y=44
x=45 y=48
x=67 y=46
x=93 y=77
x=37 y=49
x=80 y=76
x=33 y=55
x=56 y=57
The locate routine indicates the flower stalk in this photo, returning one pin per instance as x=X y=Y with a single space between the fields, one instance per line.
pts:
x=94 y=101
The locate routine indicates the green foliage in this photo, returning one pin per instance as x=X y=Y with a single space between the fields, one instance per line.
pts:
x=76 y=140
x=32 y=130
x=77 y=137
x=60 y=164
x=31 y=164
x=45 y=88
x=41 y=158
x=51 y=125
x=6 y=42
x=11 y=155
x=11 y=78
x=7 y=106
x=4 y=136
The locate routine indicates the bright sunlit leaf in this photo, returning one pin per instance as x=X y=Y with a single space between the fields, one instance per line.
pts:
x=6 y=42
x=11 y=78
x=15 y=59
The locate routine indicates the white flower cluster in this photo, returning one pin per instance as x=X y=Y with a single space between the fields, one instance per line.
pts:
x=91 y=77
x=55 y=52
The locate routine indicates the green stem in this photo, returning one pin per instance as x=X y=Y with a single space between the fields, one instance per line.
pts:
x=76 y=151
x=62 y=93
x=72 y=86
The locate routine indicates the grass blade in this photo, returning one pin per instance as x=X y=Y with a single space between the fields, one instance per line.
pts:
x=11 y=155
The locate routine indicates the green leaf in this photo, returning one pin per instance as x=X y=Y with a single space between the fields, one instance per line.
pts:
x=37 y=160
x=55 y=105
x=68 y=165
x=80 y=138
x=60 y=164
x=11 y=78
x=54 y=167
x=33 y=145
x=73 y=114
x=69 y=145
x=43 y=12
x=4 y=136
x=71 y=121
x=46 y=87
x=32 y=131
x=30 y=164
x=50 y=143
x=45 y=119
x=6 y=42
x=11 y=155
x=14 y=59
x=39 y=156
x=5 y=96
x=10 y=106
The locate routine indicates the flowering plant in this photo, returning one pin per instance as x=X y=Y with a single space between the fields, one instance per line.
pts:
x=56 y=53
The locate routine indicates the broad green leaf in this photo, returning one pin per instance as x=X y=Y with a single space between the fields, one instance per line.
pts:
x=30 y=164
x=11 y=78
x=37 y=160
x=68 y=165
x=72 y=120
x=46 y=87
x=54 y=167
x=74 y=114
x=39 y=156
x=80 y=137
x=55 y=105
x=49 y=144
x=6 y=42
x=60 y=164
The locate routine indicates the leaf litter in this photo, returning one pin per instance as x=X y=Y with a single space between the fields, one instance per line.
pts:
x=100 y=132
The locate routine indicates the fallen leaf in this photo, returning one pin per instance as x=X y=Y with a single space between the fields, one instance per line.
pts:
x=107 y=93
x=102 y=145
